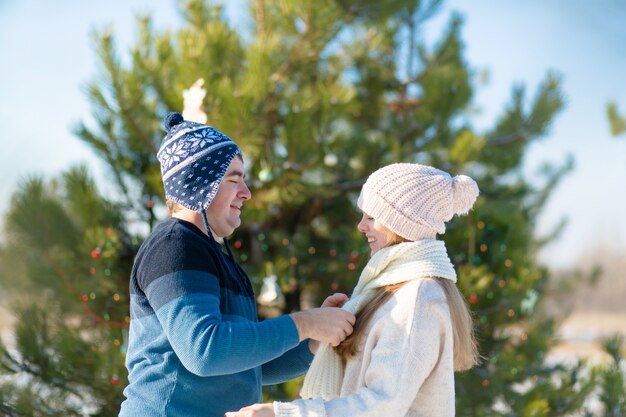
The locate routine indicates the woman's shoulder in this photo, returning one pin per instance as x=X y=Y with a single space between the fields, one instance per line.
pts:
x=413 y=296
x=410 y=300
x=423 y=289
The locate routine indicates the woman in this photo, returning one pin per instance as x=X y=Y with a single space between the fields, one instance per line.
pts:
x=413 y=328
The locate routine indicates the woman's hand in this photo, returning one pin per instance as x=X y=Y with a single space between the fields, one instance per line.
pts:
x=256 y=410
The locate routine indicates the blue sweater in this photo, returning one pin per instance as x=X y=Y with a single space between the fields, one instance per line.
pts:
x=196 y=347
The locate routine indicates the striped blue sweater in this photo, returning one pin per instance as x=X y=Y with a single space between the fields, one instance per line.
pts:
x=196 y=347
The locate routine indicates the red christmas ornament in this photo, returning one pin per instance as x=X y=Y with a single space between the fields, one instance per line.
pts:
x=150 y=204
x=485 y=383
x=95 y=254
x=92 y=270
x=351 y=266
x=115 y=381
x=473 y=299
x=238 y=244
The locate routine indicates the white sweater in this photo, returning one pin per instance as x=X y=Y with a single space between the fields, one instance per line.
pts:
x=404 y=364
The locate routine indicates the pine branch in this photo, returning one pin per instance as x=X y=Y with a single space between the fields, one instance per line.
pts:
x=112 y=161
x=37 y=373
x=351 y=185
x=502 y=304
x=260 y=18
x=140 y=133
x=299 y=47
x=117 y=86
x=82 y=296
x=410 y=132
x=520 y=135
x=409 y=70
x=555 y=175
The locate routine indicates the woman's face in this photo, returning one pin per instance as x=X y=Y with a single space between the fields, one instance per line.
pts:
x=377 y=235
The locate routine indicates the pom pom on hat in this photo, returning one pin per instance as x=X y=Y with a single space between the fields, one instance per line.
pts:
x=464 y=194
x=171 y=120
x=415 y=201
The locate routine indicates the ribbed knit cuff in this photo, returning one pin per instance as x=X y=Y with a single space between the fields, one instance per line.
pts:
x=390 y=217
x=304 y=352
x=300 y=408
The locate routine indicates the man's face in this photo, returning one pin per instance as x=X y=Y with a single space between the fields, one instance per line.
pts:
x=225 y=209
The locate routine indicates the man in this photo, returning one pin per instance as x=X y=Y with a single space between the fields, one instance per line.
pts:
x=196 y=347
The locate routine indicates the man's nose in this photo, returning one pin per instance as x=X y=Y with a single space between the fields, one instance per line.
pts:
x=245 y=192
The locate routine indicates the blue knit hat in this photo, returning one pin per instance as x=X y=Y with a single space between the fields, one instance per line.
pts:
x=194 y=158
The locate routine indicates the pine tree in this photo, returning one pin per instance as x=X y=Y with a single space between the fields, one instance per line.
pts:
x=318 y=94
x=66 y=265
x=613 y=386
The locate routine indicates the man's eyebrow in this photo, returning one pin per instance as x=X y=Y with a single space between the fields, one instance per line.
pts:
x=236 y=173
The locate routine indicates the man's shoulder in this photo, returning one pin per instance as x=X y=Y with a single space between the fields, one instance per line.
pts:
x=174 y=233
x=176 y=229
x=174 y=246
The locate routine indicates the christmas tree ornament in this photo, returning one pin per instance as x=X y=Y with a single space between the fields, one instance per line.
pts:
x=271 y=295
x=193 y=98
x=330 y=160
x=265 y=175
x=527 y=305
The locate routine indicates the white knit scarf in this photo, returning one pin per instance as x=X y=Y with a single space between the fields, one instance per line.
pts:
x=403 y=262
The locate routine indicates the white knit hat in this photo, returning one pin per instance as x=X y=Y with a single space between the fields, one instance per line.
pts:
x=414 y=201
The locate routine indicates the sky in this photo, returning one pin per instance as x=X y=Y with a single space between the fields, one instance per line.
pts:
x=48 y=58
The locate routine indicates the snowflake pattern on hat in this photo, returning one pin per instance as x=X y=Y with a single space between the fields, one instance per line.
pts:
x=194 y=158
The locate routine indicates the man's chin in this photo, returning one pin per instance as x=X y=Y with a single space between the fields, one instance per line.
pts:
x=233 y=226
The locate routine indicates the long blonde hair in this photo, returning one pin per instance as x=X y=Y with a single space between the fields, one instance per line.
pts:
x=464 y=343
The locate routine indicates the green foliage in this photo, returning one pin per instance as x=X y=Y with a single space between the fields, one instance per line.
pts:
x=617 y=122
x=71 y=372
x=66 y=267
x=318 y=94
x=613 y=394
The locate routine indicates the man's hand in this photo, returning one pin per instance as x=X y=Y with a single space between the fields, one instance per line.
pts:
x=327 y=324
x=256 y=410
x=336 y=300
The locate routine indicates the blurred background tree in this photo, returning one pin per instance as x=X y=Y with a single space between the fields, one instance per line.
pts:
x=612 y=382
x=616 y=121
x=318 y=94
x=65 y=267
